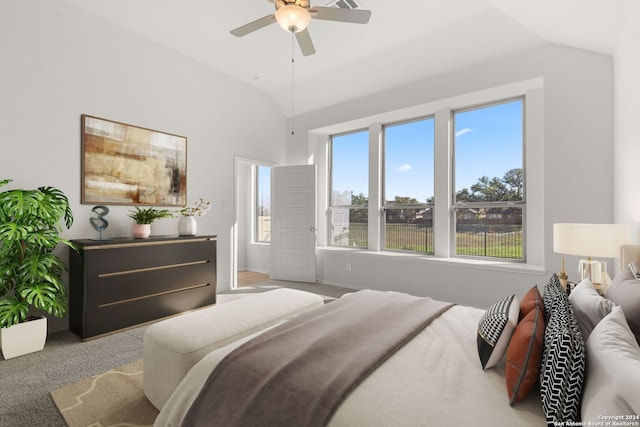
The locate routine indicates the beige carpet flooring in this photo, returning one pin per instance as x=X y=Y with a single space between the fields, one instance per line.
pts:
x=116 y=397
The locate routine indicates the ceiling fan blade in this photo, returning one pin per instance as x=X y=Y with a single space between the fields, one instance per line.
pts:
x=253 y=26
x=305 y=43
x=356 y=16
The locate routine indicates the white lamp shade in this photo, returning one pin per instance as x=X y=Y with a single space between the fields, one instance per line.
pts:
x=594 y=240
x=293 y=18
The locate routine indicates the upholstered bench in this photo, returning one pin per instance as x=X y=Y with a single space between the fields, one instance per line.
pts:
x=173 y=346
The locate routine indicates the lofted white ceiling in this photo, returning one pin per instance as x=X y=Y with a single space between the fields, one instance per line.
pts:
x=404 y=40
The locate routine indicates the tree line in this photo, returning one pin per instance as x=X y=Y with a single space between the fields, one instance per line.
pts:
x=508 y=188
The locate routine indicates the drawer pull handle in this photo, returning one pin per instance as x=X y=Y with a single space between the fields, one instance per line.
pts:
x=161 y=267
x=146 y=243
x=188 y=288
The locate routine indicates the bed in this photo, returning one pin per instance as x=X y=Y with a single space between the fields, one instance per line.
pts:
x=437 y=378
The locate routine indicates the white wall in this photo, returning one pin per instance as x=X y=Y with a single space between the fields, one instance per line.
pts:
x=627 y=125
x=578 y=146
x=59 y=62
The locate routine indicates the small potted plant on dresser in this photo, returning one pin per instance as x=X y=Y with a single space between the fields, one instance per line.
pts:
x=30 y=272
x=143 y=219
x=187 y=225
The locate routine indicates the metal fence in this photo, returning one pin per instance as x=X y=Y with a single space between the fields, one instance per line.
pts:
x=490 y=240
x=409 y=237
x=480 y=240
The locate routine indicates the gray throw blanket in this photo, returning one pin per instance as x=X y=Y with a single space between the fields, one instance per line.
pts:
x=298 y=373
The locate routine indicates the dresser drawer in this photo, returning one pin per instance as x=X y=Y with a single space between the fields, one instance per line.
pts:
x=108 y=289
x=123 y=259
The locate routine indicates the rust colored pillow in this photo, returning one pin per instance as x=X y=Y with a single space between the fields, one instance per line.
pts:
x=524 y=354
x=529 y=301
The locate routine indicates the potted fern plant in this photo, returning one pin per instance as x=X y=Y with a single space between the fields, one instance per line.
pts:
x=30 y=272
x=143 y=219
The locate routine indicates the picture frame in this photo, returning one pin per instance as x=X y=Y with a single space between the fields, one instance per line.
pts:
x=124 y=164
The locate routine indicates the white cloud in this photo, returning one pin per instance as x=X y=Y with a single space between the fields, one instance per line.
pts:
x=404 y=168
x=463 y=131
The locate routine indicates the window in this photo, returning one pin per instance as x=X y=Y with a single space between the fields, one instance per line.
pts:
x=451 y=183
x=489 y=186
x=263 y=204
x=408 y=186
x=349 y=174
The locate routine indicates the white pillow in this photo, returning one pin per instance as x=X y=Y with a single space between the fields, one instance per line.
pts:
x=589 y=307
x=613 y=370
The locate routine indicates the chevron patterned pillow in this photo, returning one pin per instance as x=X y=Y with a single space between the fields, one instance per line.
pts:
x=495 y=330
x=563 y=364
x=551 y=295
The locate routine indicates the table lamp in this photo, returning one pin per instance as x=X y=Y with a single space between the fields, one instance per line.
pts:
x=591 y=240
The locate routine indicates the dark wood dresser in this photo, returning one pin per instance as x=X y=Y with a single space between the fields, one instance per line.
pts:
x=118 y=283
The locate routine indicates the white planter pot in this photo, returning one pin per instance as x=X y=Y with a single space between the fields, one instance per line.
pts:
x=23 y=338
x=187 y=226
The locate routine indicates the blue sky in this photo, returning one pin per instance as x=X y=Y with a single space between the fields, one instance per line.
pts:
x=350 y=155
x=264 y=187
x=488 y=142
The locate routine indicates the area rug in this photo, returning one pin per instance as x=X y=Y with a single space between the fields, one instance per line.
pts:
x=114 y=398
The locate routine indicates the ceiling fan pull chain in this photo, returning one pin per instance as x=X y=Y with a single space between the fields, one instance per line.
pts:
x=292 y=81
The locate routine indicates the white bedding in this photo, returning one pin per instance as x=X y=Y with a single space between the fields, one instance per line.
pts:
x=434 y=380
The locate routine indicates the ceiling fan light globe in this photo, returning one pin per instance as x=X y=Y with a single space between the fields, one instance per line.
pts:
x=293 y=18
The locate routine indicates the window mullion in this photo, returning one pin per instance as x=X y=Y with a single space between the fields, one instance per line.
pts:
x=375 y=186
x=443 y=184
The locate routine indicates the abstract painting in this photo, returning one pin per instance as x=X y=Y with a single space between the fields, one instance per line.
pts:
x=124 y=164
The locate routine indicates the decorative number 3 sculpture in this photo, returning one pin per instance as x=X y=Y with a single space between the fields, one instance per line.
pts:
x=99 y=223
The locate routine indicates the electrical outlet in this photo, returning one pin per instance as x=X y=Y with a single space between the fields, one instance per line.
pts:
x=348 y=266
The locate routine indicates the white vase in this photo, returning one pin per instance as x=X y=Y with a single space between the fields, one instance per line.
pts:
x=187 y=226
x=23 y=338
x=141 y=231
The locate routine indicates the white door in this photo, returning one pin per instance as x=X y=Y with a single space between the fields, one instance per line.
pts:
x=293 y=223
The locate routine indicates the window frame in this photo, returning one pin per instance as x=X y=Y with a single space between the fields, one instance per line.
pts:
x=256 y=204
x=331 y=207
x=385 y=207
x=535 y=217
x=455 y=205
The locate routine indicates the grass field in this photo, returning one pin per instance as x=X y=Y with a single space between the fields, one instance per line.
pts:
x=499 y=241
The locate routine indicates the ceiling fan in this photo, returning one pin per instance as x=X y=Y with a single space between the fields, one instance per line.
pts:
x=294 y=16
